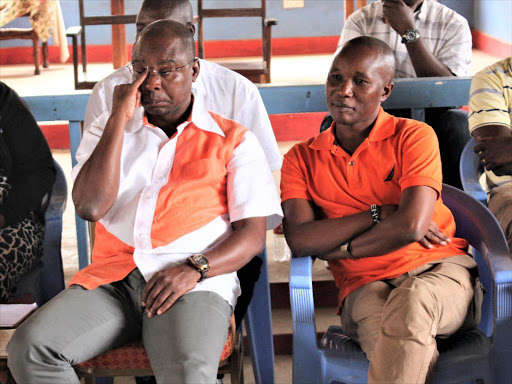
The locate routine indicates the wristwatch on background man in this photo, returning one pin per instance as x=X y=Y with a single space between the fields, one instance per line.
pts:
x=200 y=263
x=410 y=36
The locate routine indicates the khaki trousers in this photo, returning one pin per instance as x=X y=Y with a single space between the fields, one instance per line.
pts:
x=396 y=321
x=500 y=204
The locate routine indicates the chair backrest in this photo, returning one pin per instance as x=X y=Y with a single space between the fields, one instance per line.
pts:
x=254 y=73
x=118 y=35
x=352 y=5
x=480 y=228
x=470 y=171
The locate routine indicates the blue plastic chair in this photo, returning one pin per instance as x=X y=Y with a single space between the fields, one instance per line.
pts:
x=46 y=280
x=471 y=169
x=482 y=353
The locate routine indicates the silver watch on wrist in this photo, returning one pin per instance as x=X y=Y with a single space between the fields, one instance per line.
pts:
x=410 y=36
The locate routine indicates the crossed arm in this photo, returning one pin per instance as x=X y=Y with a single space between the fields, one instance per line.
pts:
x=401 y=225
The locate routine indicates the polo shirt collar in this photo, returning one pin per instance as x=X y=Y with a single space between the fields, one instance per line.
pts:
x=200 y=117
x=384 y=127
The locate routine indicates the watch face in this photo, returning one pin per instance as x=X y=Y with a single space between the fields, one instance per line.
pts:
x=200 y=260
x=411 y=35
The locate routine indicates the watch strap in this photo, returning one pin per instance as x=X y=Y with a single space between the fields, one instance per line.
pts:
x=375 y=211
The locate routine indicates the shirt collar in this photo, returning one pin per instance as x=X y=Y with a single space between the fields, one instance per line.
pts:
x=200 y=117
x=422 y=11
x=384 y=127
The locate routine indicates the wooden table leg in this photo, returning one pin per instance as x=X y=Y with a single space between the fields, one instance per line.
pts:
x=119 y=55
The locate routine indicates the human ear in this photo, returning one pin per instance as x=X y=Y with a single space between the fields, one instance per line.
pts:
x=192 y=28
x=195 y=70
x=386 y=91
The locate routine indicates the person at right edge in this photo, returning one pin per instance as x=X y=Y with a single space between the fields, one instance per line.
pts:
x=428 y=39
x=490 y=118
x=365 y=195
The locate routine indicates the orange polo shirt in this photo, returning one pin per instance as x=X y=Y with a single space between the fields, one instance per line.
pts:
x=398 y=153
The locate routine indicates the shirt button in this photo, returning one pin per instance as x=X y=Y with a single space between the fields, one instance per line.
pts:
x=160 y=177
x=141 y=234
x=351 y=163
x=148 y=197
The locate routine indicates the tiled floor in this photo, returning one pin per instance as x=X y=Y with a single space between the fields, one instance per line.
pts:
x=58 y=79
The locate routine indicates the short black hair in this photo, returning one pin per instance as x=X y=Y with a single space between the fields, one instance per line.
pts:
x=179 y=10
x=170 y=28
x=387 y=55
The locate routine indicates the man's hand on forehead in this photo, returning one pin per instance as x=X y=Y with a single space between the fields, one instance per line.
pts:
x=127 y=97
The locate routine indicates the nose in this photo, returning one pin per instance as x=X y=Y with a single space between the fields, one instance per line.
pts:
x=152 y=81
x=345 y=89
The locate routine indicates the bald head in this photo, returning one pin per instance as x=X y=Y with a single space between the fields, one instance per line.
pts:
x=168 y=31
x=154 y=10
x=366 y=45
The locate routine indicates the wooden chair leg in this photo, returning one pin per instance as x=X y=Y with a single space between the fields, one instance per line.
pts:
x=35 y=45
x=45 y=54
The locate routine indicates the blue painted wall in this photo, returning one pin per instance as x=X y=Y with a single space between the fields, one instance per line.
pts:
x=493 y=18
x=317 y=18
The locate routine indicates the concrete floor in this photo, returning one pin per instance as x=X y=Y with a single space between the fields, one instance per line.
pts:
x=58 y=79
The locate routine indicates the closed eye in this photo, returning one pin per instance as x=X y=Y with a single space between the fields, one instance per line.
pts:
x=165 y=71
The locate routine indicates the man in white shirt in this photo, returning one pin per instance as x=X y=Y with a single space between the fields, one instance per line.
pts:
x=226 y=92
x=428 y=40
x=182 y=198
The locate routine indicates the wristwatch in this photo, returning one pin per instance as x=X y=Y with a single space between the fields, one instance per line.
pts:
x=410 y=36
x=200 y=263
x=345 y=252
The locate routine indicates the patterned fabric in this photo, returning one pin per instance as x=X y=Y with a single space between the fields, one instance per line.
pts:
x=45 y=17
x=21 y=247
x=445 y=32
x=133 y=355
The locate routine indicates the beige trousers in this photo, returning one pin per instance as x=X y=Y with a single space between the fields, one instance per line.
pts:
x=396 y=321
x=500 y=204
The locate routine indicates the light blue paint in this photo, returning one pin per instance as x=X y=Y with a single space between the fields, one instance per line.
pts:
x=493 y=17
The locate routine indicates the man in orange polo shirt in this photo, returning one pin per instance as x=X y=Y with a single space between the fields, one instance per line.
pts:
x=365 y=195
x=182 y=198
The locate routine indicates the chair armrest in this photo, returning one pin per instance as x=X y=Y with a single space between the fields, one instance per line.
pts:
x=301 y=299
x=270 y=22
x=73 y=31
x=470 y=171
x=53 y=273
x=58 y=197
